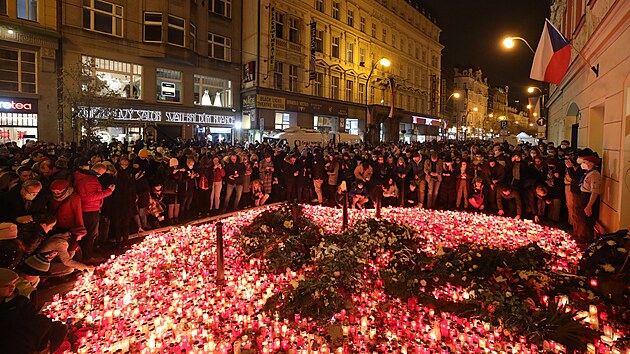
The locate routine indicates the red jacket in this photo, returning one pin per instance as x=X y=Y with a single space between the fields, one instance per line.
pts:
x=68 y=212
x=87 y=186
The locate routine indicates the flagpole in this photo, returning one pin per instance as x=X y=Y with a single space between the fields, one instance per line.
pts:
x=593 y=67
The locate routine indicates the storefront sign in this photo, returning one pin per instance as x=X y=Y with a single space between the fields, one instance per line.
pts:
x=270 y=102
x=272 y=40
x=126 y=114
x=426 y=121
x=17 y=105
x=199 y=118
x=249 y=102
x=249 y=71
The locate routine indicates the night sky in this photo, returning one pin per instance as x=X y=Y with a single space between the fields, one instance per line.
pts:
x=473 y=31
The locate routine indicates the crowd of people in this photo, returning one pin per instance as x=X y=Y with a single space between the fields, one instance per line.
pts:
x=66 y=206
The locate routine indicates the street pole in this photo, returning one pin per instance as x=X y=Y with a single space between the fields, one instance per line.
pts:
x=344 y=218
x=220 y=265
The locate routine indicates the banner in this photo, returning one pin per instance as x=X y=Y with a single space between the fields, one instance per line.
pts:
x=312 y=74
x=272 y=40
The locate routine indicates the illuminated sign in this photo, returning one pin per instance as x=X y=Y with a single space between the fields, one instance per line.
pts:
x=17 y=105
x=146 y=115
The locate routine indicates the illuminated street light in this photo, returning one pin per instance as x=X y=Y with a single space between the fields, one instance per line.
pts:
x=529 y=106
x=475 y=109
x=531 y=89
x=491 y=115
x=509 y=43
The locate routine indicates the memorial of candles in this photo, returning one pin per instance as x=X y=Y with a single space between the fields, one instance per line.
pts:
x=161 y=296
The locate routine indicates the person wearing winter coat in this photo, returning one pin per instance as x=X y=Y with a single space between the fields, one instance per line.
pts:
x=433 y=175
x=123 y=201
x=358 y=195
x=234 y=172
x=463 y=176
x=63 y=247
x=22 y=204
x=66 y=206
x=218 y=173
x=92 y=194
x=332 y=169
x=22 y=329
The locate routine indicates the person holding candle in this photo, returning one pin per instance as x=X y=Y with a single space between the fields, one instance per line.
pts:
x=22 y=328
x=463 y=176
x=505 y=193
x=358 y=195
x=448 y=193
x=234 y=172
x=433 y=175
x=390 y=193
x=417 y=172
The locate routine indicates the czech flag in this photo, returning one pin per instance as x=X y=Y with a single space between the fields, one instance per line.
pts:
x=553 y=56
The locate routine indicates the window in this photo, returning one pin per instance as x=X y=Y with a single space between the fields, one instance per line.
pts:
x=362 y=55
x=350 y=52
x=122 y=79
x=350 y=18
x=176 y=30
x=293 y=78
x=279 y=25
x=318 y=85
x=362 y=24
x=349 y=90
x=374 y=30
x=361 y=92
x=212 y=91
x=152 y=27
x=319 y=5
x=193 y=37
x=103 y=17
x=394 y=40
x=384 y=36
x=3 y=7
x=352 y=126
x=277 y=75
x=221 y=7
x=219 y=47
x=27 y=9
x=335 y=10
x=169 y=85
x=335 y=47
x=294 y=32
x=18 y=70
x=283 y=121
x=334 y=87
x=319 y=41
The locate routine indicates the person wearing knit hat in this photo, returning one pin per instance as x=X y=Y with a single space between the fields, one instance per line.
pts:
x=30 y=271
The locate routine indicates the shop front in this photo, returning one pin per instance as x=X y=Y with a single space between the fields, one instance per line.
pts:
x=18 y=119
x=267 y=114
x=426 y=128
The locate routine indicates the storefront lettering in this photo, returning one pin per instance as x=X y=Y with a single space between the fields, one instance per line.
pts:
x=199 y=118
x=16 y=105
x=126 y=114
x=270 y=102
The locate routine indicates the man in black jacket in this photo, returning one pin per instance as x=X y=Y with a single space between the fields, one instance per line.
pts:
x=22 y=204
x=234 y=172
x=319 y=173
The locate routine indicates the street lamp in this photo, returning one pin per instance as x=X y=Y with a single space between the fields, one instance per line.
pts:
x=509 y=43
x=454 y=94
x=385 y=63
x=532 y=89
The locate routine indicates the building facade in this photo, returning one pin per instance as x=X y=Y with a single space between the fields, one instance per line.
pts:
x=316 y=64
x=170 y=68
x=28 y=51
x=594 y=110
x=471 y=110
